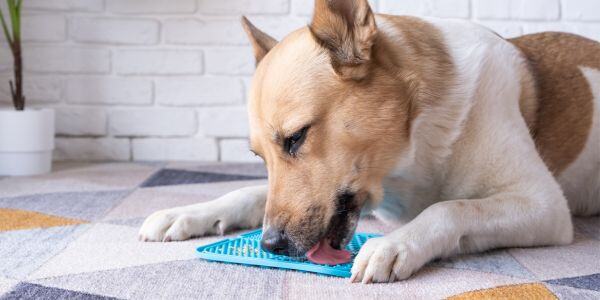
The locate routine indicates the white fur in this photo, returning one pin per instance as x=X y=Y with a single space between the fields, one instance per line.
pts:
x=479 y=185
x=581 y=180
x=243 y=208
x=472 y=181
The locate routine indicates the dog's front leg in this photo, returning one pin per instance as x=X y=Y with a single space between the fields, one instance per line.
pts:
x=463 y=226
x=243 y=208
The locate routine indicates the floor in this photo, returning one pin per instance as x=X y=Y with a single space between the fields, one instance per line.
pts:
x=72 y=234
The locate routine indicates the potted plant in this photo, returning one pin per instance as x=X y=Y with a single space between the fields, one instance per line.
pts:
x=26 y=135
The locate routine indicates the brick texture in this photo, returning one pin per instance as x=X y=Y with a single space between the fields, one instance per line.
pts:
x=151 y=6
x=199 y=91
x=44 y=28
x=197 y=31
x=158 y=62
x=92 y=149
x=108 y=90
x=168 y=80
x=40 y=89
x=581 y=10
x=114 y=31
x=81 y=121
x=229 y=7
x=66 y=59
x=181 y=149
x=64 y=5
x=152 y=122
x=223 y=121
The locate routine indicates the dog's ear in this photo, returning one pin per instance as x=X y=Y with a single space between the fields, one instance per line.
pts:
x=347 y=29
x=261 y=42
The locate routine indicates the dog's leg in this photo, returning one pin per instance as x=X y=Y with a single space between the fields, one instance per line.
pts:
x=463 y=226
x=243 y=208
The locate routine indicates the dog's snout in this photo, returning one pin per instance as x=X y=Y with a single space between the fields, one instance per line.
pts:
x=275 y=241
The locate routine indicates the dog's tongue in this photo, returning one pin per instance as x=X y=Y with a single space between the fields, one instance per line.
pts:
x=323 y=253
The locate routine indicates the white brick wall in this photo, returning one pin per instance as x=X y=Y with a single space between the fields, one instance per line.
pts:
x=66 y=59
x=81 y=121
x=92 y=149
x=151 y=6
x=182 y=149
x=125 y=31
x=199 y=91
x=49 y=28
x=167 y=80
x=158 y=122
x=108 y=90
x=158 y=62
x=64 y=5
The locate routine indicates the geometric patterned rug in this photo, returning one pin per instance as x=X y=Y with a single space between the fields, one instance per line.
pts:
x=72 y=234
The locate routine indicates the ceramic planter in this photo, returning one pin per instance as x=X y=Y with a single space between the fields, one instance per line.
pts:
x=26 y=141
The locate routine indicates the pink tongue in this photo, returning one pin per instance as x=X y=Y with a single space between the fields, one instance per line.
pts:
x=323 y=253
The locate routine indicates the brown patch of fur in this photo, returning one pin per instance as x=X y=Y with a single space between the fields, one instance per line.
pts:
x=564 y=116
x=422 y=61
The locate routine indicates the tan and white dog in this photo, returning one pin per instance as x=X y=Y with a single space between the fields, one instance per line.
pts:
x=468 y=140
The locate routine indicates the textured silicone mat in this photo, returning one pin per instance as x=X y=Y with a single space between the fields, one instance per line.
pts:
x=246 y=250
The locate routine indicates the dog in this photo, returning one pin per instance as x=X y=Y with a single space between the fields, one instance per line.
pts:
x=466 y=140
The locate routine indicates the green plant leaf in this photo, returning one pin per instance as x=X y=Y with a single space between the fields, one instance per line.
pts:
x=5 y=28
x=18 y=14
x=15 y=20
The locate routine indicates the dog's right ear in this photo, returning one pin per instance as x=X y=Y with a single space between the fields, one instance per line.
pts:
x=261 y=42
x=347 y=29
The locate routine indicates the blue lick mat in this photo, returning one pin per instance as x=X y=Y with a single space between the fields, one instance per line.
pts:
x=245 y=249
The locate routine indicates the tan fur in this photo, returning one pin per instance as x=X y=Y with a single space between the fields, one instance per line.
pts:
x=347 y=30
x=431 y=109
x=260 y=41
x=334 y=108
x=422 y=62
x=366 y=123
x=565 y=110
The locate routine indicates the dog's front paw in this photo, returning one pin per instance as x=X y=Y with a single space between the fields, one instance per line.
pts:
x=384 y=259
x=157 y=225
x=176 y=225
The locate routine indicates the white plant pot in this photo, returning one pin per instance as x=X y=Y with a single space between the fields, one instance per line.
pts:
x=26 y=141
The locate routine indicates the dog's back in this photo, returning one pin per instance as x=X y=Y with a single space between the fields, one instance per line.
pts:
x=565 y=93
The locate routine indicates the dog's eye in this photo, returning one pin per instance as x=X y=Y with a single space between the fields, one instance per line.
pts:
x=293 y=143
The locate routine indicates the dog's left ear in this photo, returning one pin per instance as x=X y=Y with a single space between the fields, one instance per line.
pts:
x=261 y=42
x=347 y=29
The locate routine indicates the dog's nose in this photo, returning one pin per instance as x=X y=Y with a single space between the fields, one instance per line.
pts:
x=275 y=241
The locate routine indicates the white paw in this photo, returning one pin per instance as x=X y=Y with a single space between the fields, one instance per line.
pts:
x=385 y=260
x=177 y=225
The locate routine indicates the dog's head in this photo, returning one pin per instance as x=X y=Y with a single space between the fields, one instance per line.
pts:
x=329 y=120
